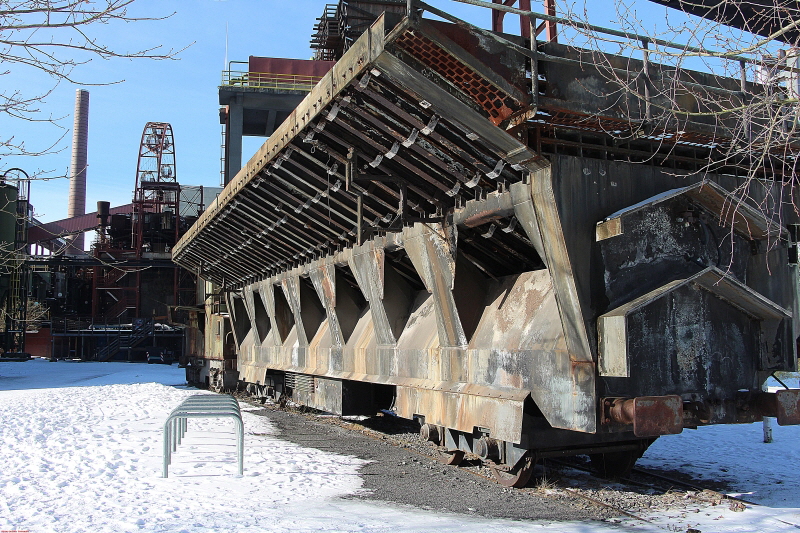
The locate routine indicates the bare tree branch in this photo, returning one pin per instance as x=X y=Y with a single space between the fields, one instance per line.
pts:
x=55 y=37
x=752 y=128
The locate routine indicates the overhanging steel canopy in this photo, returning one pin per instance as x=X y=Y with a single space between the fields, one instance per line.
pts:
x=417 y=119
x=400 y=130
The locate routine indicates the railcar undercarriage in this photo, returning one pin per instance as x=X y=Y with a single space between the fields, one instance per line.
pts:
x=434 y=233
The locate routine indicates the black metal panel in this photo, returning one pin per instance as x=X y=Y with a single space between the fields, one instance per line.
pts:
x=689 y=342
x=673 y=240
x=762 y=17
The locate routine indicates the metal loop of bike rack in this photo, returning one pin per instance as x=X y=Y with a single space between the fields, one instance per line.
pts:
x=201 y=406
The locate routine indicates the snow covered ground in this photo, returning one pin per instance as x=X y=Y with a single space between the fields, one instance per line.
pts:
x=80 y=449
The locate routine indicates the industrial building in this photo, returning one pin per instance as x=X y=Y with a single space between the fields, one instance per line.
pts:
x=124 y=299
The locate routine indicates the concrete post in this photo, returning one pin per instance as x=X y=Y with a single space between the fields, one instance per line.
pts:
x=233 y=150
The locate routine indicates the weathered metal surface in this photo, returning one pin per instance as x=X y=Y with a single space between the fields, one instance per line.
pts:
x=397 y=237
x=465 y=412
x=788 y=407
x=324 y=280
x=520 y=344
x=430 y=433
x=617 y=346
x=724 y=206
x=612 y=358
x=586 y=83
x=559 y=263
x=693 y=325
x=784 y=405
x=432 y=251
x=518 y=475
x=475 y=213
x=367 y=265
x=487 y=448
x=525 y=213
x=452 y=457
x=650 y=416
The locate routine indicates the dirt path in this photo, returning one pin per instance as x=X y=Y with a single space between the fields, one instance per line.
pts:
x=401 y=471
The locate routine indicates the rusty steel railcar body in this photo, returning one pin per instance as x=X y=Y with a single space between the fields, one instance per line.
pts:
x=422 y=235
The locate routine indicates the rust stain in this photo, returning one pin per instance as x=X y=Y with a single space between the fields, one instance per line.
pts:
x=789 y=401
x=479 y=219
x=657 y=415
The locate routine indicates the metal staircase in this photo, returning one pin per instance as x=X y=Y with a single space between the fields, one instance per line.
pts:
x=124 y=301
x=126 y=341
x=109 y=278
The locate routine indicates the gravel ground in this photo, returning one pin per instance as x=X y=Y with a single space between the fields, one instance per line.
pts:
x=404 y=470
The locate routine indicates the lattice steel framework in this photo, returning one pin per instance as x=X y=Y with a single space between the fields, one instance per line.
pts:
x=157 y=195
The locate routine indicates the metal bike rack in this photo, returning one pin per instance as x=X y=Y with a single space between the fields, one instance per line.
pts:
x=201 y=406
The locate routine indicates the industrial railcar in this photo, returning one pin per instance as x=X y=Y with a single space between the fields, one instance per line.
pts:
x=445 y=227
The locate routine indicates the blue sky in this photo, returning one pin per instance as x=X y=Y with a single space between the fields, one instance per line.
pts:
x=182 y=92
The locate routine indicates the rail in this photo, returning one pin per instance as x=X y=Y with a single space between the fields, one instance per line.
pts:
x=124 y=302
x=201 y=406
x=643 y=46
x=685 y=48
x=269 y=80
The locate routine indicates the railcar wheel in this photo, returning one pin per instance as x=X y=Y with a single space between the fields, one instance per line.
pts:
x=430 y=433
x=614 y=465
x=517 y=476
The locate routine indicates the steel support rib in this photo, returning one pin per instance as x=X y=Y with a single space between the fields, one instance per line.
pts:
x=445 y=144
x=284 y=198
x=260 y=234
x=399 y=159
x=310 y=172
x=338 y=201
x=251 y=249
x=319 y=191
x=338 y=140
x=415 y=148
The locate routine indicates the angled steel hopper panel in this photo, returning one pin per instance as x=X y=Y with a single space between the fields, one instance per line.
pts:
x=614 y=359
x=731 y=211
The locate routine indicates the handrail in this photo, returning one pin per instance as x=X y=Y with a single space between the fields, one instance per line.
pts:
x=269 y=80
x=644 y=39
x=134 y=337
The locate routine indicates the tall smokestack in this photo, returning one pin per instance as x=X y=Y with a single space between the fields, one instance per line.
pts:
x=77 y=171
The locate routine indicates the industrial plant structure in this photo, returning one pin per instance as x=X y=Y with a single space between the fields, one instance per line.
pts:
x=492 y=235
x=124 y=298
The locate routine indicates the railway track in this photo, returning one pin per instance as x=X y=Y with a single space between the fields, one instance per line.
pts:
x=554 y=476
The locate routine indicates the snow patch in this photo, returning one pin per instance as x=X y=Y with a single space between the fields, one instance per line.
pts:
x=88 y=458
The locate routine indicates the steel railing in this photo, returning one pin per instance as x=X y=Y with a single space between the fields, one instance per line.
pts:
x=126 y=340
x=269 y=80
